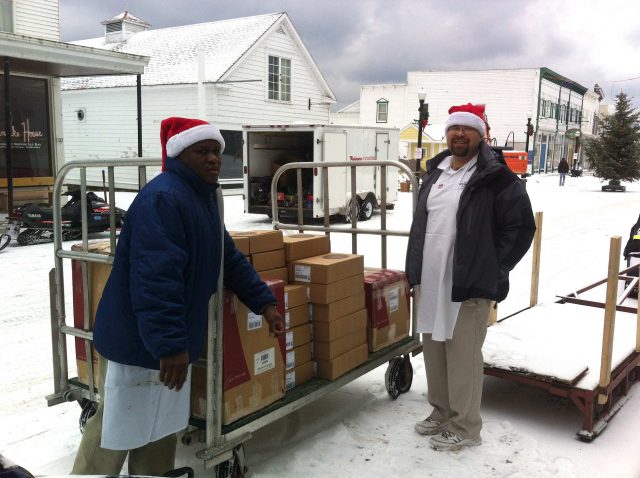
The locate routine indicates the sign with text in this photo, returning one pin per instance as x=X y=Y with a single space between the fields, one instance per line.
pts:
x=417 y=153
x=29 y=129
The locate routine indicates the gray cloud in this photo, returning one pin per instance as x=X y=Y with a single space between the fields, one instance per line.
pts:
x=359 y=42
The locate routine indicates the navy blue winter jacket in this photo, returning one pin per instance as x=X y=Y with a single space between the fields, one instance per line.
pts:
x=166 y=267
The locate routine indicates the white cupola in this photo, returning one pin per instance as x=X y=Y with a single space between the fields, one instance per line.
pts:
x=122 y=27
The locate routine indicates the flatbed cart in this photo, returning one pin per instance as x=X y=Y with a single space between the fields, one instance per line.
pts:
x=598 y=372
x=223 y=442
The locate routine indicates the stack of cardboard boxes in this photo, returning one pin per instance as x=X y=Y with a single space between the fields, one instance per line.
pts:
x=264 y=249
x=300 y=364
x=335 y=287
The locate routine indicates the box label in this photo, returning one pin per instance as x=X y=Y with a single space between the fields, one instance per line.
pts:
x=302 y=273
x=290 y=380
x=291 y=359
x=286 y=301
x=287 y=320
x=289 y=341
x=264 y=361
x=394 y=298
x=254 y=321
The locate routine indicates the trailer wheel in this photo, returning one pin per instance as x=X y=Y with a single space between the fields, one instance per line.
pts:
x=399 y=376
x=366 y=209
x=347 y=212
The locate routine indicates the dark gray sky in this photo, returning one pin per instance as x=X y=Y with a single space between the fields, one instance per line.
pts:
x=357 y=42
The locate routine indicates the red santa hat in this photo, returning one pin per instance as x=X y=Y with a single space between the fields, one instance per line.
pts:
x=467 y=115
x=177 y=134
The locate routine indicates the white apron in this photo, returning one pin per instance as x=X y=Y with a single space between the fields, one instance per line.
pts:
x=139 y=408
x=437 y=314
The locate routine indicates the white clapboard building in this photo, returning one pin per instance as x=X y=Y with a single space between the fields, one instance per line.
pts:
x=251 y=70
x=562 y=112
x=34 y=59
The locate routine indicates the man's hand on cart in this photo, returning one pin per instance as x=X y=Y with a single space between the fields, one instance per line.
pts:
x=174 y=369
x=275 y=320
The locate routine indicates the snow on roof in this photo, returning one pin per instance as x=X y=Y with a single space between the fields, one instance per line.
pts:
x=173 y=51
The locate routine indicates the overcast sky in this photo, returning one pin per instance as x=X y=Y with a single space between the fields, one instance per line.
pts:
x=356 y=42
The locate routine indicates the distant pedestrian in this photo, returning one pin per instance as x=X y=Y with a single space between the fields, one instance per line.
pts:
x=563 y=169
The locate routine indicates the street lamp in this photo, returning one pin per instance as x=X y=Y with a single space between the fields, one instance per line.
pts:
x=528 y=132
x=423 y=118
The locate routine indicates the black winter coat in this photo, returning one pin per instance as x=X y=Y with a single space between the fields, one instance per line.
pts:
x=495 y=227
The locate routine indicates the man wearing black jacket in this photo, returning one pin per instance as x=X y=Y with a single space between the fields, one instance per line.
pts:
x=472 y=225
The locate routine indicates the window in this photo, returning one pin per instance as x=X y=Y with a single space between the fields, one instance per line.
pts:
x=279 y=78
x=6 y=16
x=382 y=110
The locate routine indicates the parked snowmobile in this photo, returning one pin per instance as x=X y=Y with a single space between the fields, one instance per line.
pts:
x=35 y=221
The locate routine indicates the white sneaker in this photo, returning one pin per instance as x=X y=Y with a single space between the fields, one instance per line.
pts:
x=429 y=426
x=449 y=441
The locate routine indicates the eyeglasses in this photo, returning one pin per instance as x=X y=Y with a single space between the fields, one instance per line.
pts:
x=461 y=129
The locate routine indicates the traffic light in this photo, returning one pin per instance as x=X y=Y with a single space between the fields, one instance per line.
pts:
x=530 y=129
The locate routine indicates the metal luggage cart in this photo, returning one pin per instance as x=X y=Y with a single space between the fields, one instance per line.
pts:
x=224 y=443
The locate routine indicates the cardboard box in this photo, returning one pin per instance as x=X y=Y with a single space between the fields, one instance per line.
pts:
x=340 y=345
x=299 y=375
x=264 y=261
x=295 y=295
x=296 y=316
x=301 y=246
x=275 y=274
x=242 y=244
x=328 y=331
x=260 y=241
x=326 y=268
x=298 y=355
x=97 y=274
x=387 y=299
x=327 y=293
x=298 y=336
x=254 y=362
x=332 y=369
x=338 y=309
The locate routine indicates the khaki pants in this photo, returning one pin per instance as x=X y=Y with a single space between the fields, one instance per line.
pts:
x=155 y=458
x=455 y=370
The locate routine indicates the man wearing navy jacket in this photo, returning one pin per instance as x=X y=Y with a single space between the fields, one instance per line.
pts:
x=151 y=320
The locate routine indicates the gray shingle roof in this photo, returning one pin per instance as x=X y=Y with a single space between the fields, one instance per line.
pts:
x=174 y=51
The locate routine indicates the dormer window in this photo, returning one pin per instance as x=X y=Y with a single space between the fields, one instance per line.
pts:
x=382 y=110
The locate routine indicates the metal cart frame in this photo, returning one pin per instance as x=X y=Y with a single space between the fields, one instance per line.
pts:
x=220 y=440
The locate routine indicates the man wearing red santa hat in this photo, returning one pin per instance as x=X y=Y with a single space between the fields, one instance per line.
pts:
x=151 y=320
x=472 y=225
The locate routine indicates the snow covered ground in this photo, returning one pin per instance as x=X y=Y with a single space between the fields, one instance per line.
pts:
x=358 y=431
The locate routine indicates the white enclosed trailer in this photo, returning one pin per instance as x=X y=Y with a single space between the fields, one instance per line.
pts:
x=266 y=148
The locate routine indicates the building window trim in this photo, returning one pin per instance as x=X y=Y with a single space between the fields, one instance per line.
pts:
x=382 y=111
x=278 y=78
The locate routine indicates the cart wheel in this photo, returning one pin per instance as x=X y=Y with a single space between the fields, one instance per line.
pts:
x=185 y=470
x=399 y=376
x=88 y=410
x=405 y=379
x=234 y=467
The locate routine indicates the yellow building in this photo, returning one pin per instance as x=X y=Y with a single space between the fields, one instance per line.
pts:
x=433 y=141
